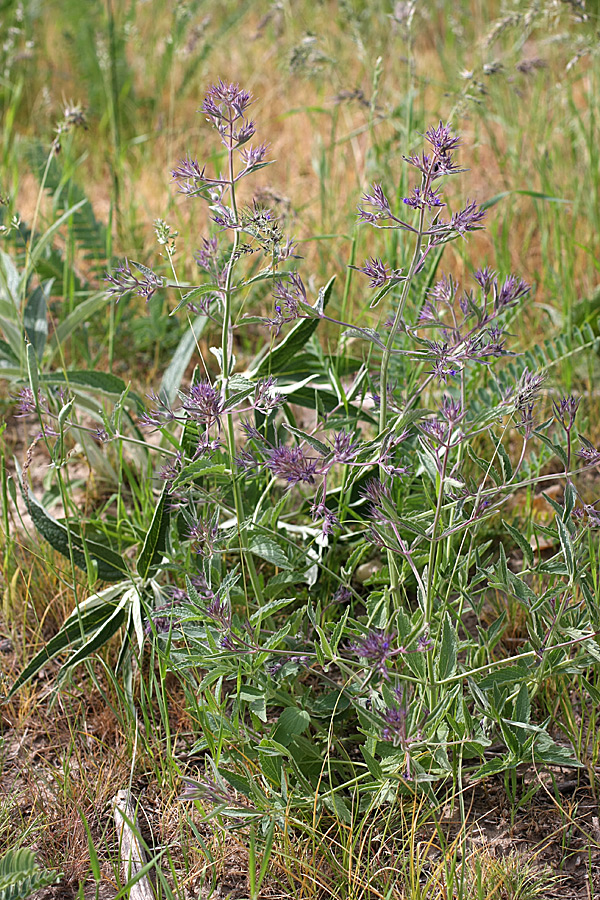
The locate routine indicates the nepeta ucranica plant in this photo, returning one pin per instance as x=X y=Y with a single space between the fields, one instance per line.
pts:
x=324 y=689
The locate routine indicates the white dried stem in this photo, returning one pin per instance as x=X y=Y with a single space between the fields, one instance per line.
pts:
x=133 y=858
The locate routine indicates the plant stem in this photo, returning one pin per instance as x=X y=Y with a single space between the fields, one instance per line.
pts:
x=226 y=351
x=428 y=612
x=383 y=379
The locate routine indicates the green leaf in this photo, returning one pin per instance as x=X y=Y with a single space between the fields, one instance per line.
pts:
x=567 y=546
x=10 y=284
x=197 y=468
x=48 y=235
x=154 y=545
x=270 y=551
x=521 y=542
x=256 y=700
x=339 y=807
x=382 y=292
x=377 y=610
x=290 y=724
x=20 y=875
x=367 y=334
x=570 y=499
x=507 y=469
x=522 y=705
x=102 y=635
x=592 y=691
x=505 y=675
x=35 y=319
x=372 y=764
x=237 y=782
x=83 y=312
x=7 y=352
x=330 y=704
x=74 y=631
x=553 y=446
x=269 y=608
x=313 y=442
x=448 y=649
x=339 y=630
x=537 y=195
x=111 y=566
x=548 y=751
x=105 y=382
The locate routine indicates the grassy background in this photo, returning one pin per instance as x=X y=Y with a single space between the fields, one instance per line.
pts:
x=342 y=90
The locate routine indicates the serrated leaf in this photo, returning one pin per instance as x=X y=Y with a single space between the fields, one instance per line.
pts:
x=383 y=292
x=377 y=610
x=505 y=675
x=569 y=500
x=507 y=469
x=552 y=445
x=493 y=767
x=339 y=629
x=256 y=700
x=330 y=704
x=237 y=782
x=548 y=751
x=428 y=462
x=366 y=334
x=372 y=764
x=521 y=542
x=313 y=442
x=197 y=468
x=268 y=550
x=339 y=807
x=269 y=608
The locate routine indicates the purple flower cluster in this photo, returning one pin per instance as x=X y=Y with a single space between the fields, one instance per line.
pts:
x=566 y=410
x=124 y=281
x=588 y=453
x=463 y=339
x=217 y=793
x=377 y=648
x=201 y=403
x=378 y=272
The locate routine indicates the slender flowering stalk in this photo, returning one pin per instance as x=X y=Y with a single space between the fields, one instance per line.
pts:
x=226 y=105
x=385 y=359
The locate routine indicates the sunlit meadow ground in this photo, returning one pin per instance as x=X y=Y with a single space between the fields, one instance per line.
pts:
x=342 y=91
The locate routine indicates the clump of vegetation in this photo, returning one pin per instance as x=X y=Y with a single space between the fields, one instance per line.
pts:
x=312 y=531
